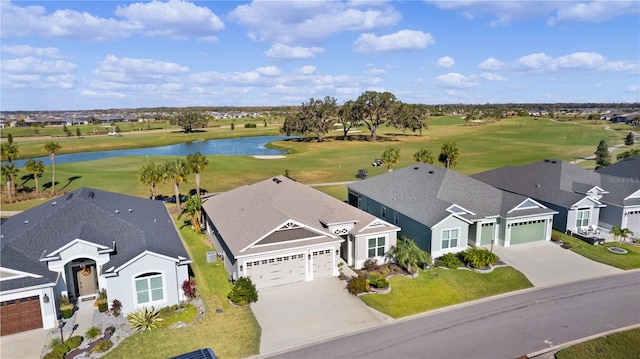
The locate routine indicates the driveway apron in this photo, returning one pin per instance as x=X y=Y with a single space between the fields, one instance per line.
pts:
x=546 y=263
x=300 y=314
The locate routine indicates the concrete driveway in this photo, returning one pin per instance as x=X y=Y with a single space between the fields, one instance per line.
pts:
x=299 y=314
x=546 y=263
x=23 y=345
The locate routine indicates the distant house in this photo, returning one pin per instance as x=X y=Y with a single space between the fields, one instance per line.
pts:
x=82 y=242
x=582 y=197
x=278 y=231
x=627 y=118
x=444 y=211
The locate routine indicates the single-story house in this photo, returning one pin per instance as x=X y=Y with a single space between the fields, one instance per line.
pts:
x=583 y=198
x=444 y=211
x=279 y=231
x=80 y=243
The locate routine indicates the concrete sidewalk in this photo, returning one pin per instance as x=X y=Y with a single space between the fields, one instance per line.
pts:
x=546 y=263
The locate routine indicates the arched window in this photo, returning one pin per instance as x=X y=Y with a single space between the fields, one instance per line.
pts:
x=149 y=288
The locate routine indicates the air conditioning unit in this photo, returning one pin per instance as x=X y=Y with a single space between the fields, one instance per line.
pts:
x=212 y=256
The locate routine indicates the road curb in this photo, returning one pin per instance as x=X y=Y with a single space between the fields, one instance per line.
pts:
x=558 y=347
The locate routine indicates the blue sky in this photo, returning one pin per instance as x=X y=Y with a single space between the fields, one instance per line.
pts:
x=76 y=55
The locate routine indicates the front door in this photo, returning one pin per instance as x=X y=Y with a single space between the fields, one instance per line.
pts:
x=87 y=281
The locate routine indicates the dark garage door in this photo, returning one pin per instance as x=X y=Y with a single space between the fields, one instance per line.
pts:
x=525 y=232
x=20 y=315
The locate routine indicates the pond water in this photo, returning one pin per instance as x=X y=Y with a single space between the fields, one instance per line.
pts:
x=246 y=146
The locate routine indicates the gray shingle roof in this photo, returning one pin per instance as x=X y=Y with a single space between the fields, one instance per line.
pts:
x=559 y=182
x=100 y=217
x=424 y=192
x=627 y=169
x=245 y=214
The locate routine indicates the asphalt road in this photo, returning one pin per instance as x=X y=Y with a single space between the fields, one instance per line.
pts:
x=507 y=327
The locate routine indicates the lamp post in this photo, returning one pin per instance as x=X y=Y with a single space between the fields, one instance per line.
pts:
x=60 y=325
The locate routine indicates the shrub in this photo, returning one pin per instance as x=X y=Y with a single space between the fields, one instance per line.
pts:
x=243 y=292
x=102 y=345
x=357 y=285
x=370 y=264
x=53 y=355
x=144 y=319
x=116 y=307
x=92 y=332
x=53 y=342
x=74 y=342
x=479 y=257
x=449 y=260
x=61 y=349
x=109 y=331
x=189 y=288
x=384 y=271
x=250 y=125
x=566 y=245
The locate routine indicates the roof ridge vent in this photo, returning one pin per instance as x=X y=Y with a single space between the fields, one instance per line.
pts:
x=276 y=180
x=91 y=194
x=430 y=172
x=117 y=211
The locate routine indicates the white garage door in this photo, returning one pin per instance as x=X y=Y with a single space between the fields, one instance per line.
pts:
x=633 y=223
x=276 y=271
x=322 y=263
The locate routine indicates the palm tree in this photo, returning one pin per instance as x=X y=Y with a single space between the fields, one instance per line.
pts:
x=449 y=154
x=619 y=233
x=36 y=168
x=150 y=175
x=193 y=207
x=408 y=255
x=424 y=156
x=176 y=171
x=196 y=163
x=52 y=147
x=10 y=152
x=390 y=156
x=9 y=173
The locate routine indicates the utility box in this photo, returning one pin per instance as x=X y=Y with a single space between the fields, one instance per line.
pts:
x=212 y=256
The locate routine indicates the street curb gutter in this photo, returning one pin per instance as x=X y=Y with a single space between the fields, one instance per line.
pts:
x=555 y=348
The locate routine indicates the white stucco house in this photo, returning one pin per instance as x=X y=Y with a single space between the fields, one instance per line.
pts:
x=80 y=243
x=279 y=231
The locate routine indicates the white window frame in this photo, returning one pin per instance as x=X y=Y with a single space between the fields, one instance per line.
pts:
x=149 y=290
x=580 y=217
x=383 y=212
x=377 y=247
x=396 y=218
x=442 y=239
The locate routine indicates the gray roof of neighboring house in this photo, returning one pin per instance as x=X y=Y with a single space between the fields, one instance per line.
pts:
x=424 y=192
x=248 y=213
x=629 y=169
x=559 y=182
x=134 y=224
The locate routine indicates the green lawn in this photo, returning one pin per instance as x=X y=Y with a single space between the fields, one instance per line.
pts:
x=437 y=288
x=234 y=333
x=514 y=141
x=599 y=253
x=623 y=345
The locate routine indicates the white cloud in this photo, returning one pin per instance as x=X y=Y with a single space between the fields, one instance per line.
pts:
x=268 y=71
x=445 y=62
x=577 y=61
x=538 y=61
x=68 y=24
x=32 y=72
x=282 y=52
x=26 y=65
x=632 y=88
x=455 y=80
x=307 y=70
x=491 y=64
x=403 y=40
x=490 y=76
x=26 y=50
x=503 y=13
x=593 y=11
x=296 y=22
x=174 y=18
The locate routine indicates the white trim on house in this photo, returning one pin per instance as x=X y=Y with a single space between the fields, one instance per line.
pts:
x=452 y=216
x=375 y=224
x=289 y=222
x=16 y=274
x=457 y=209
x=635 y=194
x=143 y=254
x=535 y=204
